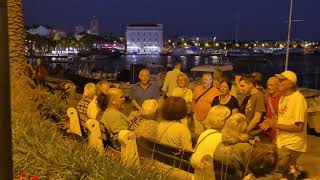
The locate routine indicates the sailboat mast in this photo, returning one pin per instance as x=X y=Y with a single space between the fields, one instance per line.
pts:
x=289 y=33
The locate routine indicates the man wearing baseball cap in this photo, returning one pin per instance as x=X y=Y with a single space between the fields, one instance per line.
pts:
x=291 y=125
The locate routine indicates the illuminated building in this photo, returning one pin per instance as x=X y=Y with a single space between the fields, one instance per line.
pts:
x=144 y=38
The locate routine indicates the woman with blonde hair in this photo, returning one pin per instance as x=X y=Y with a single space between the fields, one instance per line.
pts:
x=234 y=130
x=217 y=117
x=208 y=141
x=146 y=126
x=233 y=151
x=184 y=92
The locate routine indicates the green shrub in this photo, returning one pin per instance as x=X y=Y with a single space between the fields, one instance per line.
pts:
x=51 y=106
x=40 y=150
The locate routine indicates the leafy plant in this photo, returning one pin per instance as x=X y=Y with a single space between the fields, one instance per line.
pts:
x=40 y=150
x=51 y=106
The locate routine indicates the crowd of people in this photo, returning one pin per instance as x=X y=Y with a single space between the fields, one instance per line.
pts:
x=221 y=118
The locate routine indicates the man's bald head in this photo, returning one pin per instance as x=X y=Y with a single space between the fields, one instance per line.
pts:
x=116 y=98
x=273 y=84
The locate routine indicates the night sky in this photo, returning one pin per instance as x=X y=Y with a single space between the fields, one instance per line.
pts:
x=257 y=19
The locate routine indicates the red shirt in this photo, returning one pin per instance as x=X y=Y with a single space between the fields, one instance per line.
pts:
x=274 y=103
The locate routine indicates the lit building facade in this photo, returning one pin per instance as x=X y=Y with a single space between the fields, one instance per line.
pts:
x=144 y=38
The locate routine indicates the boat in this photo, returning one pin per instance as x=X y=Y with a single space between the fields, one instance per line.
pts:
x=243 y=53
x=219 y=52
x=210 y=68
x=100 y=53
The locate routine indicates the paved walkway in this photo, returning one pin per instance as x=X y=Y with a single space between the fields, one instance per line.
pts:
x=310 y=160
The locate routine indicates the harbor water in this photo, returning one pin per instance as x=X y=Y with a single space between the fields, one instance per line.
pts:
x=307 y=67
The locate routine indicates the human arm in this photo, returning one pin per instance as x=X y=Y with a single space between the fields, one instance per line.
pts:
x=136 y=105
x=254 y=121
x=268 y=123
x=237 y=79
x=258 y=102
x=165 y=84
x=134 y=96
x=296 y=127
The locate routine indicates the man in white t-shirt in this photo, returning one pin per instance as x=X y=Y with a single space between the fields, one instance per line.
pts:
x=291 y=126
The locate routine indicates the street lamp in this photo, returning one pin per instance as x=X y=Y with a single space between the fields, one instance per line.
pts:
x=214 y=40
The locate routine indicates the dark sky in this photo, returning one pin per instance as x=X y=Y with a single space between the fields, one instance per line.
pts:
x=257 y=19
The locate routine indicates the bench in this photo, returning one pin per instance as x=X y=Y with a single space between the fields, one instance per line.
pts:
x=164 y=153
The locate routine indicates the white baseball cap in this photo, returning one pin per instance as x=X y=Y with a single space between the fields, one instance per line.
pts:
x=288 y=75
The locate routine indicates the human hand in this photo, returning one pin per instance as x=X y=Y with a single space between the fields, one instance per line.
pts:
x=237 y=78
x=267 y=123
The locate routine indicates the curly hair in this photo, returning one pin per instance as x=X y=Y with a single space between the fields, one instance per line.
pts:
x=235 y=130
x=217 y=117
x=149 y=108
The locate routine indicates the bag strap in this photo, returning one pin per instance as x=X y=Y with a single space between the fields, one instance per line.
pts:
x=203 y=93
x=204 y=139
x=271 y=107
x=160 y=137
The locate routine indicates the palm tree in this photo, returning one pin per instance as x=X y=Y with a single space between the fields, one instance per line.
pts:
x=16 y=39
x=21 y=85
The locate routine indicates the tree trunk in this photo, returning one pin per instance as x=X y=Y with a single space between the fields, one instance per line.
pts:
x=21 y=85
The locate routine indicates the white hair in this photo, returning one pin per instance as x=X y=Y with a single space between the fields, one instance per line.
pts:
x=89 y=90
x=216 y=117
x=149 y=108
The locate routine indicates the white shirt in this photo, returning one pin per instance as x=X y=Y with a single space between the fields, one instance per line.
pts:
x=292 y=109
x=185 y=93
x=93 y=109
x=170 y=81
